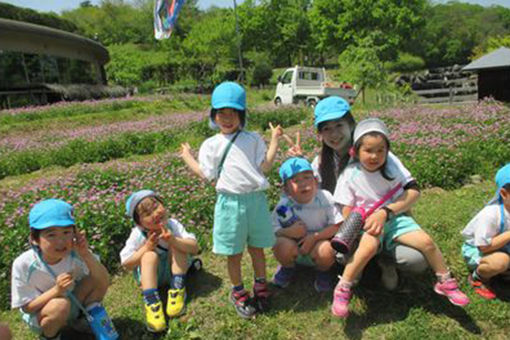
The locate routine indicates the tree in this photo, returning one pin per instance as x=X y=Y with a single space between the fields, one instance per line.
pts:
x=336 y=24
x=360 y=64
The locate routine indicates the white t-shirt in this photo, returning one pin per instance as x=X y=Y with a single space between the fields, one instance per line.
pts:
x=357 y=187
x=241 y=170
x=391 y=159
x=485 y=225
x=137 y=239
x=30 y=278
x=317 y=215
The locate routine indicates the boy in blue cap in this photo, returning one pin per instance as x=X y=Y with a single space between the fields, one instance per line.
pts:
x=486 y=248
x=235 y=161
x=158 y=251
x=58 y=263
x=304 y=221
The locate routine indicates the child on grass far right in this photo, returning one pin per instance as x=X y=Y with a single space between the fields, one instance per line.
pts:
x=486 y=248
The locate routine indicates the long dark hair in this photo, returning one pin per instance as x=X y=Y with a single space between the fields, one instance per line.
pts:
x=327 y=158
x=384 y=169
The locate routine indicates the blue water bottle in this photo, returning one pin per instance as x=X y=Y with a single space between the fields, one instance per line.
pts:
x=101 y=324
x=286 y=216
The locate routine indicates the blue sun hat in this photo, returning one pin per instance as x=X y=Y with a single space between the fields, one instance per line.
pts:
x=51 y=213
x=330 y=108
x=293 y=166
x=135 y=198
x=228 y=95
x=502 y=178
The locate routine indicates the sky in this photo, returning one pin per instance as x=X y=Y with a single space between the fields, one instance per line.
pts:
x=60 y=5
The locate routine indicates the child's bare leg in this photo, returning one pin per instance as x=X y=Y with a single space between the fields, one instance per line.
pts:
x=366 y=250
x=423 y=242
x=258 y=259
x=493 y=264
x=149 y=270
x=323 y=255
x=285 y=251
x=53 y=316
x=179 y=261
x=234 y=269
x=90 y=290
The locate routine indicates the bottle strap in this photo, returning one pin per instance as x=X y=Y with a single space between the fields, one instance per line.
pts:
x=386 y=197
x=502 y=218
x=227 y=149
x=71 y=296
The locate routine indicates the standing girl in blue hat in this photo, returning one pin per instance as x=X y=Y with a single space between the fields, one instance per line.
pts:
x=235 y=161
x=58 y=264
x=335 y=128
x=486 y=248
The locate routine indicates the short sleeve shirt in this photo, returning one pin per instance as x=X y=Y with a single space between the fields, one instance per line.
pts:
x=241 y=172
x=137 y=239
x=485 y=225
x=357 y=187
x=30 y=278
x=316 y=215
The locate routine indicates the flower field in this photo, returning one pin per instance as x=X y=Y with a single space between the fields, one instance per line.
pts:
x=442 y=147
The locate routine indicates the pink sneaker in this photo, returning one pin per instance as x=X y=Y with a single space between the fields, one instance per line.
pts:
x=341 y=298
x=450 y=289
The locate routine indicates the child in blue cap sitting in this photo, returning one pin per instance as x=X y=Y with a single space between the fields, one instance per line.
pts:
x=486 y=248
x=235 y=161
x=304 y=221
x=158 y=251
x=58 y=264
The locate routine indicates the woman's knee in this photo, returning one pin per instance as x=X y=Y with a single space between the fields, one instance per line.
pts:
x=409 y=259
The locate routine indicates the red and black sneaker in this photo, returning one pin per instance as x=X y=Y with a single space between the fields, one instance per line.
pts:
x=480 y=288
x=261 y=296
x=243 y=304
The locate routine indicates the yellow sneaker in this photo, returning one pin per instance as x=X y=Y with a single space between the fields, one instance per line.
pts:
x=176 y=300
x=155 y=318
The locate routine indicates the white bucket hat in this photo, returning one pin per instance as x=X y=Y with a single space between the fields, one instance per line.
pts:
x=370 y=125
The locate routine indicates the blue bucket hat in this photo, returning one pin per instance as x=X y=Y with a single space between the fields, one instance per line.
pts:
x=503 y=176
x=330 y=108
x=228 y=95
x=135 y=198
x=51 y=213
x=293 y=166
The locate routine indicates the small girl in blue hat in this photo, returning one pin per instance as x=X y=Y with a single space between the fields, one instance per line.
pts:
x=304 y=221
x=58 y=263
x=486 y=248
x=235 y=161
x=158 y=251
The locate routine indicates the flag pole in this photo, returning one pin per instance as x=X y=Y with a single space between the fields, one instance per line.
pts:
x=239 y=53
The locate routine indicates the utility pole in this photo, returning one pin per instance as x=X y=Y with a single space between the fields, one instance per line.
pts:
x=240 y=55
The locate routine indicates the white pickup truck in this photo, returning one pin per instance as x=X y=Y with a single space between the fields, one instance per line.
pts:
x=308 y=85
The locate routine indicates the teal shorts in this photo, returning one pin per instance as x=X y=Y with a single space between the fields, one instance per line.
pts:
x=164 y=270
x=305 y=260
x=241 y=219
x=472 y=255
x=32 y=321
x=398 y=226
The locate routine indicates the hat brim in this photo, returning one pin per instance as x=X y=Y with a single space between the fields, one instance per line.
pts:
x=56 y=223
x=330 y=116
x=232 y=105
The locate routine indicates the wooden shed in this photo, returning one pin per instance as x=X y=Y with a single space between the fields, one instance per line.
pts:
x=493 y=74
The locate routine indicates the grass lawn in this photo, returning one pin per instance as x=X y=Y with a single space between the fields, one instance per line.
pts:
x=412 y=312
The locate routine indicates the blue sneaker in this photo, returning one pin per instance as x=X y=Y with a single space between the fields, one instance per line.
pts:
x=283 y=276
x=323 y=282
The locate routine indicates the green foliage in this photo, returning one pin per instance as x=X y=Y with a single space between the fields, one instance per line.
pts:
x=406 y=63
x=260 y=70
x=360 y=64
x=493 y=43
x=11 y=12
